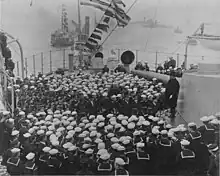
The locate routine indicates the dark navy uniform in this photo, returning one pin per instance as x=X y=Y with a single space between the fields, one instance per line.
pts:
x=143 y=163
x=186 y=162
x=14 y=166
x=30 y=168
x=104 y=168
x=120 y=172
x=208 y=134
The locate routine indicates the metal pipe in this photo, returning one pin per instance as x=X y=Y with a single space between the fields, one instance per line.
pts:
x=17 y=68
x=42 y=63
x=34 y=65
x=50 y=61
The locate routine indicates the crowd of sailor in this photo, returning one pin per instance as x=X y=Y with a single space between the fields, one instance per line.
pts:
x=102 y=124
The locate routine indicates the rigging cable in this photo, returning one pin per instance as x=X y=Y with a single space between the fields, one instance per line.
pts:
x=117 y=24
x=154 y=17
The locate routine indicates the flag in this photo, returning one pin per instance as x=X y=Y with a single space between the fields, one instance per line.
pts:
x=120 y=2
x=97 y=31
x=89 y=46
x=92 y=41
x=106 y=20
x=103 y=27
x=122 y=19
x=95 y=36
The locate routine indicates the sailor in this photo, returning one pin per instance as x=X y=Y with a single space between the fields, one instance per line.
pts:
x=84 y=167
x=214 y=160
x=42 y=162
x=54 y=164
x=144 y=161
x=207 y=130
x=119 y=167
x=165 y=153
x=104 y=166
x=30 y=167
x=186 y=159
x=171 y=94
x=14 y=164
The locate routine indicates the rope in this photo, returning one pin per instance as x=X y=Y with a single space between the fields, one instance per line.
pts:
x=155 y=14
x=117 y=24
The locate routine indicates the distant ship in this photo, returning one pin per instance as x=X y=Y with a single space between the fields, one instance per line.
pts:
x=206 y=40
x=63 y=37
x=150 y=23
x=178 y=30
x=192 y=41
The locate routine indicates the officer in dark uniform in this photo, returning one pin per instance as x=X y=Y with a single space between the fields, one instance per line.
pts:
x=171 y=93
x=186 y=159
x=14 y=164
x=30 y=167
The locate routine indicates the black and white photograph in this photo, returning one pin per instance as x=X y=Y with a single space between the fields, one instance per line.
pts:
x=109 y=87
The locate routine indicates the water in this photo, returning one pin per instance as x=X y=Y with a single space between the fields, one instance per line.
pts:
x=34 y=25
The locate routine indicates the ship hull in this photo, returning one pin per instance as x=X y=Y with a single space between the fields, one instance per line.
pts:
x=210 y=44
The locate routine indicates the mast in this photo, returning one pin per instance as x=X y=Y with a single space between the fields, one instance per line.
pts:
x=79 y=20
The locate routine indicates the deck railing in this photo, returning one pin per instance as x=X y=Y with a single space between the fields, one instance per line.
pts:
x=49 y=61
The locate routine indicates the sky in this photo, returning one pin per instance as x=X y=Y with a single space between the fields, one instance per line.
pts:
x=43 y=17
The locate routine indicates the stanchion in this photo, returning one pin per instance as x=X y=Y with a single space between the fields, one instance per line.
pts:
x=42 y=63
x=34 y=65
x=50 y=61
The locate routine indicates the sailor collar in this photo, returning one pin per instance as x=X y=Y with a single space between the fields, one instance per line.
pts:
x=107 y=169
x=166 y=145
x=131 y=151
x=30 y=167
x=195 y=135
x=143 y=157
x=125 y=171
x=187 y=156
x=208 y=129
x=11 y=162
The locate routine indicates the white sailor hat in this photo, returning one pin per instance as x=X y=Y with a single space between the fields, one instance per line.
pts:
x=102 y=151
x=114 y=140
x=21 y=113
x=204 y=119
x=15 y=150
x=78 y=129
x=82 y=135
x=27 y=135
x=119 y=161
x=31 y=130
x=184 y=142
x=30 y=156
x=85 y=146
x=121 y=148
x=74 y=113
x=125 y=142
x=88 y=139
x=131 y=125
x=89 y=151
x=115 y=146
x=146 y=123
x=30 y=116
x=168 y=126
x=15 y=133
x=69 y=127
x=101 y=145
x=136 y=133
x=105 y=156
x=93 y=133
x=72 y=148
x=48 y=133
x=53 y=151
x=191 y=124
x=98 y=140
x=160 y=122
x=140 y=145
x=124 y=122
x=6 y=113
x=214 y=122
x=163 y=132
